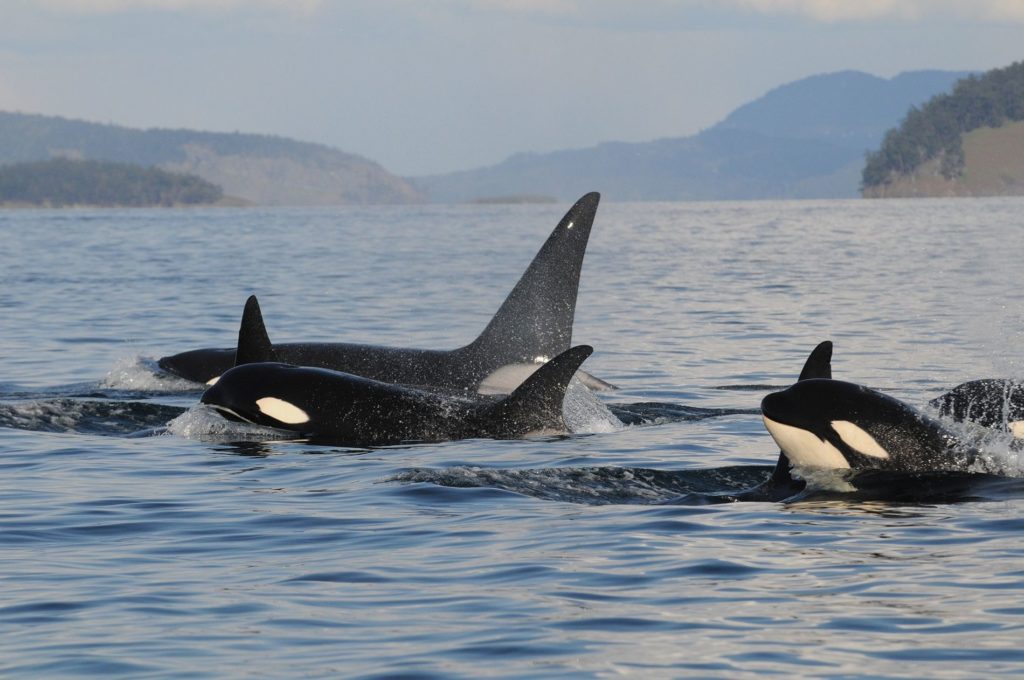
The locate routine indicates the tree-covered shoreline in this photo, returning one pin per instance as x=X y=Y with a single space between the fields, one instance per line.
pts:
x=65 y=182
x=935 y=131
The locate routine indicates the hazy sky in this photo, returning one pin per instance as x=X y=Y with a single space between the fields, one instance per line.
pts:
x=426 y=86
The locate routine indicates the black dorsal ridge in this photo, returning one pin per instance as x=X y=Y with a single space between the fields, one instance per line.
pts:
x=254 y=344
x=535 y=320
x=537 y=403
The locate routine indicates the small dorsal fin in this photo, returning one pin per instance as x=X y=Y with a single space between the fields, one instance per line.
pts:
x=537 y=403
x=537 y=316
x=253 y=342
x=818 y=365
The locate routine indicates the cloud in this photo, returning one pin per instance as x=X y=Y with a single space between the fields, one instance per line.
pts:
x=826 y=11
x=908 y=10
x=116 y=6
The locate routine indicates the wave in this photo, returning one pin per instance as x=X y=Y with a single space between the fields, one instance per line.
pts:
x=86 y=416
x=595 y=485
x=729 y=484
x=658 y=413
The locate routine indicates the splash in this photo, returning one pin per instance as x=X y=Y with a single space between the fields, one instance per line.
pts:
x=824 y=479
x=998 y=450
x=141 y=374
x=998 y=453
x=584 y=413
x=203 y=423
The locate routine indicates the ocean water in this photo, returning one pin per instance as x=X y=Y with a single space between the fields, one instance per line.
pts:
x=132 y=549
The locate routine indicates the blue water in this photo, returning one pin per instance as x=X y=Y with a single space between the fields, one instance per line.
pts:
x=129 y=555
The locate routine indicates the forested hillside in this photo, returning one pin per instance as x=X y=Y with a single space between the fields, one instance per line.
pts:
x=933 y=135
x=65 y=182
x=261 y=169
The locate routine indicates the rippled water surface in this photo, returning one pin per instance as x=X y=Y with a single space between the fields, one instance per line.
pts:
x=128 y=550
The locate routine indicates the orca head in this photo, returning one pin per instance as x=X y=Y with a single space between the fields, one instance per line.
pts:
x=261 y=394
x=823 y=423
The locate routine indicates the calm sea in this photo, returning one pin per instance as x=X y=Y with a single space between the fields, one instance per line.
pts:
x=186 y=556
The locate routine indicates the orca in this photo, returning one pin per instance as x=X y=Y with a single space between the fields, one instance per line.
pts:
x=831 y=424
x=531 y=326
x=781 y=484
x=991 y=402
x=327 y=406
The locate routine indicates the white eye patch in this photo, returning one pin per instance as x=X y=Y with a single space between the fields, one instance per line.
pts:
x=1017 y=428
x=804 y=448
x=858 y=440
x=212 y=381
x=281 y=411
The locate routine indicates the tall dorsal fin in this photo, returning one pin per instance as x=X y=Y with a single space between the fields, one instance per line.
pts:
x=253 y=342
x=537 y=403
x=818 y=365
x=536 y=318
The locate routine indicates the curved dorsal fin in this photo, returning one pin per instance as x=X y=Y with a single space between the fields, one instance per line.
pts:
x=253 y=342
x=819 y=363
x=536 y=318
x=537 y=403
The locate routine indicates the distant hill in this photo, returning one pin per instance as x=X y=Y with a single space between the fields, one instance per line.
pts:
x=805 y=139
x=62 y=182
x=969 y=142
x=260 y=169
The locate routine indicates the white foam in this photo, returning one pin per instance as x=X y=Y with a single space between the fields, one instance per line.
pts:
x=141 y=374
x=824 y=479
x=998 y=452
x=584 y=413
x=59 y=415
x=203 y=423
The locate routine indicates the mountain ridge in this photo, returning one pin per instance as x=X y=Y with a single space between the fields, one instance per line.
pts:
x=749 y=154
x=260 y=169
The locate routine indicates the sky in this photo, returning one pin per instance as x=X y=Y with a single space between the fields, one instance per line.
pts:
x=431 y=86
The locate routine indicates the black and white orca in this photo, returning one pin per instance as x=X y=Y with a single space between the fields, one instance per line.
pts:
x=831 y=424
x=531 y=326
x=991 y=402
x=327 y=406
x=782 y=484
